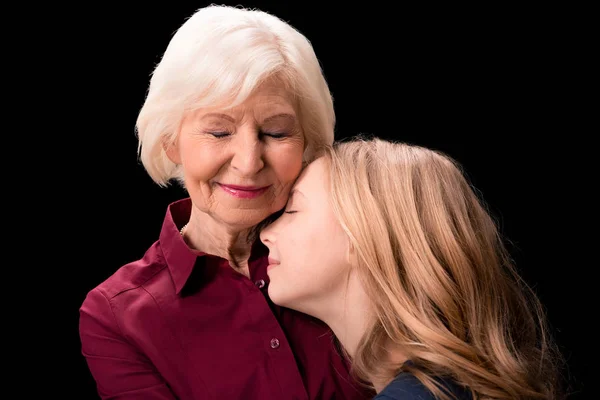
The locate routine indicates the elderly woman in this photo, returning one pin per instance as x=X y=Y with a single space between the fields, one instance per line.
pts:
x=236 y=107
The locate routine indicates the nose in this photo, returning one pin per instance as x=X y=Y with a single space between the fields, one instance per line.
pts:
x=248 y=153
x=267 y=235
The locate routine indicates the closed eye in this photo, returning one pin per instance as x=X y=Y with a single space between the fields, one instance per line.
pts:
x=219 y=134
x=291 y=212
x=274 y=135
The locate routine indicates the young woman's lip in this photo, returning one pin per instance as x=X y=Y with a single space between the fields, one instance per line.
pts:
x=273 y=261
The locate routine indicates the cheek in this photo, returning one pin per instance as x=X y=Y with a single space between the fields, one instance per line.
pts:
x=286 y=161
x=313 y=261
x=324 y=255
x=201 y=163
x=293 y=247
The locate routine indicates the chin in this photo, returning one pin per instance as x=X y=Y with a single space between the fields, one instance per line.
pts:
x=245 y=219
x=280 y=296
x=274 y=295
x=284 y=298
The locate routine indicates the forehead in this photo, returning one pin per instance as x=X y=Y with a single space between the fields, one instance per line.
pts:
x=314 y=180
x=270 y=96
x=272 y=89
x=268 y=99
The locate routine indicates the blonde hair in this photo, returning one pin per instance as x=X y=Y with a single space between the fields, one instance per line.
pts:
x=219 y=57
x=441 y=282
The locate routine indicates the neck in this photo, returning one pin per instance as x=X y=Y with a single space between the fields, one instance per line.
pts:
x=205 y=234
x=349 y=314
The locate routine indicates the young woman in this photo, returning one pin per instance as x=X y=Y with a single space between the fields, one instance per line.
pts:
x=388 y=244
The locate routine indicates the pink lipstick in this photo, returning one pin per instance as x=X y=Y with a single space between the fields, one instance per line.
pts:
x=244 y=192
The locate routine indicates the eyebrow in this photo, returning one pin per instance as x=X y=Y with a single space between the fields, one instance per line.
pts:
x=296 y=191
x=287 y=116
x=218 y=115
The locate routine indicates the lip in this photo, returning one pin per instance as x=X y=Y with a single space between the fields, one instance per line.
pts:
x=272 y=263
x=243 y=192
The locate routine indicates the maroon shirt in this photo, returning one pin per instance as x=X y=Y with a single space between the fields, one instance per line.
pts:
x=178 y=324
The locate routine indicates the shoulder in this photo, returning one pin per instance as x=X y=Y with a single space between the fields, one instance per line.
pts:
x=128 y=278
x=407 y=386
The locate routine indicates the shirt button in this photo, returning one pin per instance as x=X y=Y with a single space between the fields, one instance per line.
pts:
x=260 y=283
x=274 y=343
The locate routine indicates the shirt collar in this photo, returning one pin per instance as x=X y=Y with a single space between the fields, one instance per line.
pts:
x=179 y=257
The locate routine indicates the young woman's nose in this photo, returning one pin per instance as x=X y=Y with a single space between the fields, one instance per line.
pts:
x=267 y=235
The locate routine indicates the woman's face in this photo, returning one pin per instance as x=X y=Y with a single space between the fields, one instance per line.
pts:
x=240 y=163
x=308 y=249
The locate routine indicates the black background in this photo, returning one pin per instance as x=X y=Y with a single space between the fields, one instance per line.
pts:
x=499 y=89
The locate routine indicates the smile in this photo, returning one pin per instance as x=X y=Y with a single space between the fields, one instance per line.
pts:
x=272 y=264
x=243 y=192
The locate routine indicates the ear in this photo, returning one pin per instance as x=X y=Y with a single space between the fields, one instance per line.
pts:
x=172 y=151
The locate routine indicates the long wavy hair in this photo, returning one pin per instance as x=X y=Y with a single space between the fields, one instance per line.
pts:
x=442 y=283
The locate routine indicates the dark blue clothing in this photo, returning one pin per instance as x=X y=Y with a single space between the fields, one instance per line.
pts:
x=407 y=387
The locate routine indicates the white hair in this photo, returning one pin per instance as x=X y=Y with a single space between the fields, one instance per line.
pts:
x=219 y=56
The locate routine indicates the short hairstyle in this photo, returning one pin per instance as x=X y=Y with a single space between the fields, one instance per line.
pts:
x=219 y=56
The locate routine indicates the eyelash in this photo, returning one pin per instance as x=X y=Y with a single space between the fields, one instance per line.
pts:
x=290 y=212
x=219 y=135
